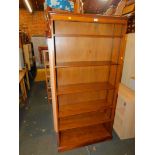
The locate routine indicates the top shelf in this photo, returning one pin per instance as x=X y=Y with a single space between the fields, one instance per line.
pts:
x=87 y=18
x=84 y=64
x=88 y=36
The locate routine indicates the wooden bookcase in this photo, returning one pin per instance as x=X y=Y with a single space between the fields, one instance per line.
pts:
x=86 y=56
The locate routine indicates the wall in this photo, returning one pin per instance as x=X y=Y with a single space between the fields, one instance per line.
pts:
x=129 y=61
x=35 y=22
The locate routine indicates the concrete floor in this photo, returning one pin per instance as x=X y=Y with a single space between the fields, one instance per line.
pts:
x=37 y=136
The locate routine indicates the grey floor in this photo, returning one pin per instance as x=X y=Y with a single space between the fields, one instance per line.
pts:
x=36 y=134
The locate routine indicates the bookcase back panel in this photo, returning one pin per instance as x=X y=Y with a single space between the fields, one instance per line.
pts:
x=83 y=28
x=75 y=75
x=83 y=49
x=82 y=97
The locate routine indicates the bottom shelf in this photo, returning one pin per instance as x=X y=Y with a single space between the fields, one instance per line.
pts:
x=73 y=138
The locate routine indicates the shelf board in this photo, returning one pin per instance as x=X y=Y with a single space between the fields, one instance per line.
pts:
x=86 y=119
x=81 y=107
x=73 y=138
x=89 y=36
x=83 y=87
x=84 y=64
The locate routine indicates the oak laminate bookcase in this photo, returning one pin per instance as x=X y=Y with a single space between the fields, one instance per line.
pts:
x=86 y=56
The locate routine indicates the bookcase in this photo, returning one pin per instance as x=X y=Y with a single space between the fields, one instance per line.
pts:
x=86 y=55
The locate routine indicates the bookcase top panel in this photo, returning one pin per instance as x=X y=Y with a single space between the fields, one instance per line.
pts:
x=88 y=18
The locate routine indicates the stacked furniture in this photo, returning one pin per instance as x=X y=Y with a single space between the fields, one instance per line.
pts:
x=86 y=57
x=47 y=74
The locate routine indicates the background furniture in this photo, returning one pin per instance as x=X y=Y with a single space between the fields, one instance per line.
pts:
x=22 y=74
x=37 y=42
x=124 y=123
x=128 y=72
x=86 y=55
x=40 y=50
x=47 y=74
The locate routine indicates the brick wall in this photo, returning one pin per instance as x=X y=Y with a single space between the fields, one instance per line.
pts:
x=35 y=22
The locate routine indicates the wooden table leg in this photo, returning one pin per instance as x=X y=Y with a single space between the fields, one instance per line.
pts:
x=23 y=89
x=27 y=79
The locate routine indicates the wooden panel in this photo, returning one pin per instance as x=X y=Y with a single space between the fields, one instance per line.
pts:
x=82 y=97
x=118 y=29
x=27 y=55
x=85 y=87
x=82 y=107
x=53 y=83
x=77 y=75
x=82 y=136
x=83 y=28
x=112 y=74
x=118 y=76
x=89 y=49
x=86 y=119
x=115 y=50
x=88 y=35
x=84 y=64
x=88 y=18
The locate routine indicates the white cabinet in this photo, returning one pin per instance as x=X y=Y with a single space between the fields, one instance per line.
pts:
x=124 y=122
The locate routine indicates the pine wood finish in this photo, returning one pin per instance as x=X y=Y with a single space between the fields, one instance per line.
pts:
x=85 y=56
x=86 y=135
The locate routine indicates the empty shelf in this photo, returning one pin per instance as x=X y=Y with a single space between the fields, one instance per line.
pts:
x=81 y=107
x=85 y=119
x=84 y=64
x=88 y=35
x=70 y=139
x=84 y=87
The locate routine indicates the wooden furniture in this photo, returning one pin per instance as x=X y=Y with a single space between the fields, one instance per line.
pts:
x=27 y=49
x=22 y=74
x=124 y=123
x=40 y=50
x=86 y=55
x=47 y=74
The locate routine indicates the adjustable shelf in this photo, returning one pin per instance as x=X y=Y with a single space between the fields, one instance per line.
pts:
x=82 y=107
x=89 y=36
x=85 y=119
x=84 y=64
x=84 y=87
x=86 y=58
